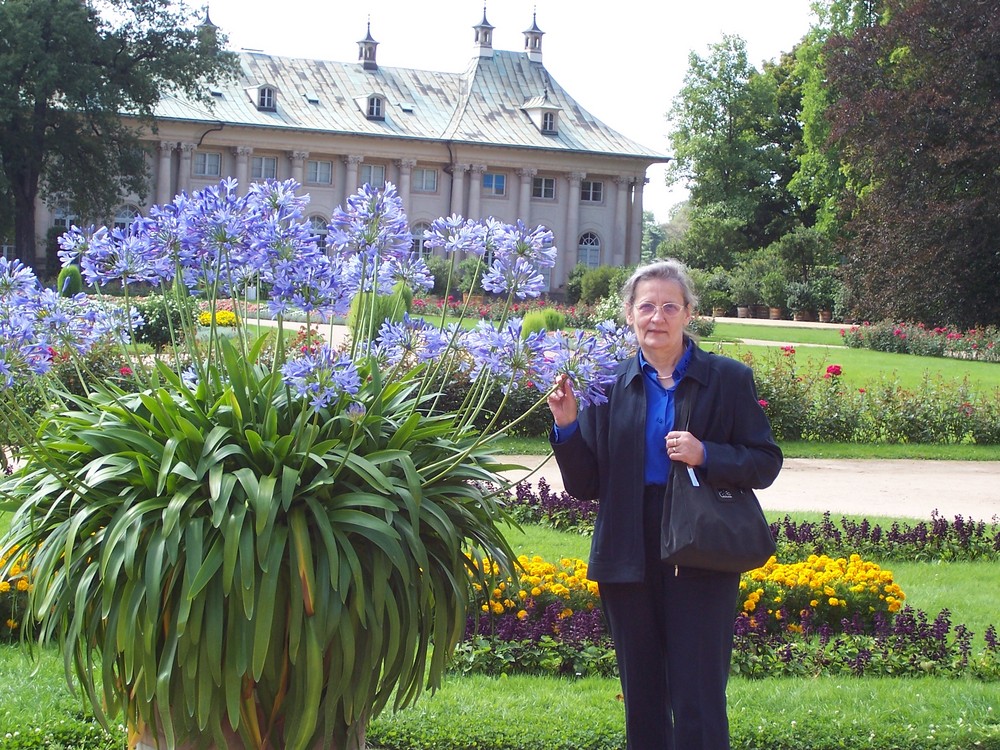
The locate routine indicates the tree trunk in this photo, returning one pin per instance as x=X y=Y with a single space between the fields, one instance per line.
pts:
x=25 y=190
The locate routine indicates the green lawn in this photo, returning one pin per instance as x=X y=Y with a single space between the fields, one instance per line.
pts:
x=779 y=334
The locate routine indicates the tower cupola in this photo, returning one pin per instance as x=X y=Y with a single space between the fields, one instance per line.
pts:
x=484 y=37
x=366 y=50
x=533 y=41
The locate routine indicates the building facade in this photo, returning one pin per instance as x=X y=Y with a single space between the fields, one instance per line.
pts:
x=501 y=139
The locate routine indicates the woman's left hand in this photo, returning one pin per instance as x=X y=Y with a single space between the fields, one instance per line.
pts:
x=684 y=447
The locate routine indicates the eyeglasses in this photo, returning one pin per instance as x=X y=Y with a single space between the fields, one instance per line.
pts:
x=648 y=309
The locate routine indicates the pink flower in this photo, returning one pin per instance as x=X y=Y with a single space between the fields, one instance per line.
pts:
x=861 y=390
x=788 y=350
x=125 y=370
x=762 y=402
x=833 y=371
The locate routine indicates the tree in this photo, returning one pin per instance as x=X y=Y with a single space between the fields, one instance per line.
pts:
x=735 y=138
x=917 y=122
x=69 y=70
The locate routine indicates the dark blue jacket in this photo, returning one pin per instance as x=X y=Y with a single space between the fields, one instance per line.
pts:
x=604 y=458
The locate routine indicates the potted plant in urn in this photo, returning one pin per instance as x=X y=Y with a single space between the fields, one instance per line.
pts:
x=801 y=301
x=249 y=544
x=774 y=291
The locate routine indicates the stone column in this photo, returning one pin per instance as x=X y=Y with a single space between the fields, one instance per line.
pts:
x=298 y=159
x=524 y=198
x=242 y=154
x=569 y=245
x=164 y=181
x=351 y=175
x=476 y=190
x=184 y=173
x=617 y=256
x=458 y=188
x=405 y=167
x=633 y=253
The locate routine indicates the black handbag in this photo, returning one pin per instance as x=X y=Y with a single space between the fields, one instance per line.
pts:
x=712 y=528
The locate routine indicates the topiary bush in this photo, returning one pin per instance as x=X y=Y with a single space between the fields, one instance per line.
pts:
x=69 y=283
x=377 y=309
x=547 y=319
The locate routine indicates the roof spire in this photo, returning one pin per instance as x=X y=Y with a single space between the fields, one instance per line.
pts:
x=484 y=37
x=533 y=40
x=366 y=49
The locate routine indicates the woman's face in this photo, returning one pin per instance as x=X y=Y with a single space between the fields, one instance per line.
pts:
x=655 y=327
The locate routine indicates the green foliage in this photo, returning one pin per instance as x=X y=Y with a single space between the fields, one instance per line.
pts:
x=774 y=289
x=800 y=297
x=164 y=317
x=470 y=275
x=441 y=268
x=369 y=310
x=546 y=319
x=598 y=283
x=981 y=344
x=574 y=283
x=70 y=281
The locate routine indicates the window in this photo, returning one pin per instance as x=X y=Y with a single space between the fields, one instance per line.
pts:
x=125 y=216
x=373 y=174
x=494 y=184
x=543 y=187
x=375 y=108
x=549 y=122
x=319 y=172
x=591 y=191
x=419 y=243
x=63 y=218
x=264 y=167
x=207 y=164
x=589 y=250
x=317 y=225
x=266 y=99
x=424 y=180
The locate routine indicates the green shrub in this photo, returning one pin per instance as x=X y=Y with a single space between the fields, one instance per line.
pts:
x=598 y=283
x=70 y=281
x=574 y=284
x=547 y=319
x=440 y=268
x=380 y=308
x=162 y=315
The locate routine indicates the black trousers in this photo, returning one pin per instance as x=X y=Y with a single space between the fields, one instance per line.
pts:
x=673 y=637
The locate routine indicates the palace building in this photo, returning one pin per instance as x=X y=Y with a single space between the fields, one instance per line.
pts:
x=501 y=139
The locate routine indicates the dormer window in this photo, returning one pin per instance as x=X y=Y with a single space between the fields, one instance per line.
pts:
x=549 y=122
x=376 y=108
x=267 y=99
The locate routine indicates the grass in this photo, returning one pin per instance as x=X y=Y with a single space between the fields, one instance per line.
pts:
x=733 y=332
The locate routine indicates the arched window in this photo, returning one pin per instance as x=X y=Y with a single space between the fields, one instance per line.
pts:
x=317 y=225
x=125 y=216
x=419 y=243
x=589 y=250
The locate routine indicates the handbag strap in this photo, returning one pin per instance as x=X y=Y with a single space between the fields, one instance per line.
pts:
x=690 y=394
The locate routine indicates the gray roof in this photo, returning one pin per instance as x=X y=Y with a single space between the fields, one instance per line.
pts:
x=484 y=105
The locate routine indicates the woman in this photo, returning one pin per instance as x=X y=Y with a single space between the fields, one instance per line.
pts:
x=672 y=627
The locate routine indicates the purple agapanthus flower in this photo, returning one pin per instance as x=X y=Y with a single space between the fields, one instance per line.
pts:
x=323 y=376
x=514 y=275
x=588 y=363
x=502 y=353
x=413 y=337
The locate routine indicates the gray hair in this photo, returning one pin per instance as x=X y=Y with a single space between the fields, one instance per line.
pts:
x=670 y=269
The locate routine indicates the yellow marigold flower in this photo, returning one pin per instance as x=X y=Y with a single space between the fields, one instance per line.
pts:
x=522 y=614
x=834 y=601
x=497 y=593
x=22 y=584
x=12 y=623
x=496 y=608
x=522 y=594
x=4 y=587
x=536 y=591
x=565 y=613
x=814 y=603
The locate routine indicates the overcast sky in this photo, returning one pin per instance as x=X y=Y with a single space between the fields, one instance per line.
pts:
x=623 y=61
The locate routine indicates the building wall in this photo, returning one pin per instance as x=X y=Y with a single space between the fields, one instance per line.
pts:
x=615 y=219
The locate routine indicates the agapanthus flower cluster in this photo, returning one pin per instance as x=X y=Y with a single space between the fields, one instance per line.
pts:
x=35 y=322
x=322 y=376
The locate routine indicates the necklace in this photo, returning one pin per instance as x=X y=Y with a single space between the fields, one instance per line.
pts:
x=664 y=377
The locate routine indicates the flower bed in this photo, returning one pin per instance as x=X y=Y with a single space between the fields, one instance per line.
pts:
x=818 y=616
x=981 y=344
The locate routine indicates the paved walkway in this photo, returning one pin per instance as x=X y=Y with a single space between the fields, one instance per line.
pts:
x=875 y=487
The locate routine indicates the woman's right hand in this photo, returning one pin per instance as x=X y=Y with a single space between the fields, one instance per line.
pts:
x=562 y=402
